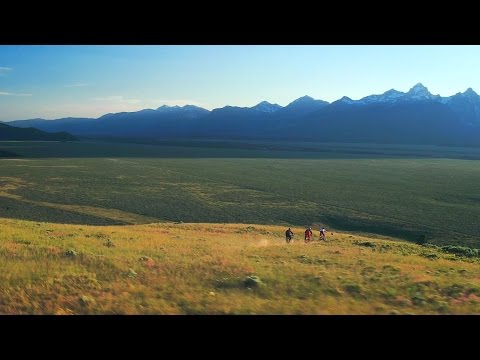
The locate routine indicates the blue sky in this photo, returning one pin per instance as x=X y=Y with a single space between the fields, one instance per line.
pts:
x=88 y=81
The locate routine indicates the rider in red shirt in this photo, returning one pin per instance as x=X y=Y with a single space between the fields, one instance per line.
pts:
x=308 y=234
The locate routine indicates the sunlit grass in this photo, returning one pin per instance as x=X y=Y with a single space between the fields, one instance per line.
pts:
x=201 y=269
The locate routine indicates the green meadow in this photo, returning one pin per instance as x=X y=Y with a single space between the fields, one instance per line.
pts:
x=405 y=192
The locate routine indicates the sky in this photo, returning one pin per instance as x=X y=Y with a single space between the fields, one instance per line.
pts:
x=89 y=81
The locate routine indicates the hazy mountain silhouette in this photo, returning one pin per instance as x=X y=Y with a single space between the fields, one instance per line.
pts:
x=267 y=107
x=414 y=117
x=13 y=133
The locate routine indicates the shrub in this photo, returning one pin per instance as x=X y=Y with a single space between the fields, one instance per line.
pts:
x=71 y=253
x=430 y=256
x=433 y=246
x=109 y=243
x=23 y=242
x=421 y=240
x=461 y=250
x=366 y=244
x=86 y=301
x=252 y=281
x=353 y=289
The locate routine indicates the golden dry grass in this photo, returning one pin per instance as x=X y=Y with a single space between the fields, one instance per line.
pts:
x=201 y=269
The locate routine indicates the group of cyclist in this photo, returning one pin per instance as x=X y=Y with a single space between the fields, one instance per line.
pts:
x=308 y=234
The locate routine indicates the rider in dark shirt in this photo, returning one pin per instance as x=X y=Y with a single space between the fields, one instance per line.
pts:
x=288 y=235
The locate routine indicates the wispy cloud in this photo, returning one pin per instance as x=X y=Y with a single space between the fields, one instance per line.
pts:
x=3 y=93
x=4 y=70
x=109 y=98
x=76 y=85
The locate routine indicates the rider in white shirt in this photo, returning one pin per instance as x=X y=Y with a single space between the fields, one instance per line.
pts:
x=323 y=233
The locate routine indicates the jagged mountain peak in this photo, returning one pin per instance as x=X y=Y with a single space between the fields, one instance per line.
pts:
x=392 y=91
x=167 y=108
x=419 y=88
x=346 y=100
x=470 y=92
x=420 y=92
x=265 y=106
x=387 y=96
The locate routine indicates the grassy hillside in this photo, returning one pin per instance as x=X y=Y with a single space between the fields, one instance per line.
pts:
x=203 y=268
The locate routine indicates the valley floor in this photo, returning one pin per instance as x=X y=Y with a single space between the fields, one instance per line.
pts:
x=177 y=268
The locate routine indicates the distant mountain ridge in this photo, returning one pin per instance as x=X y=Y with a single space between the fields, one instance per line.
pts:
x=267 y=107
x=416 y=117
x=12 y=133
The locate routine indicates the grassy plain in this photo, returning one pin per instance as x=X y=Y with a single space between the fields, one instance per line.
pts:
x=396 y=191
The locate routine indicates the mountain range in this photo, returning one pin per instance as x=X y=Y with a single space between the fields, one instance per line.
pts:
x=414 y=117
x=12 y=133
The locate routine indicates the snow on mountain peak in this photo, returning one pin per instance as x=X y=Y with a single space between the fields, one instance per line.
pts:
x=419 y=92
x=392 y=94
x=419 y=89
x=176 y=108
x=388 y=96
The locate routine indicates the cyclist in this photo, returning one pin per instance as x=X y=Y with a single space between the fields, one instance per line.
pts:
x=308 y=235
x=288 y=235
x=323 y=234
